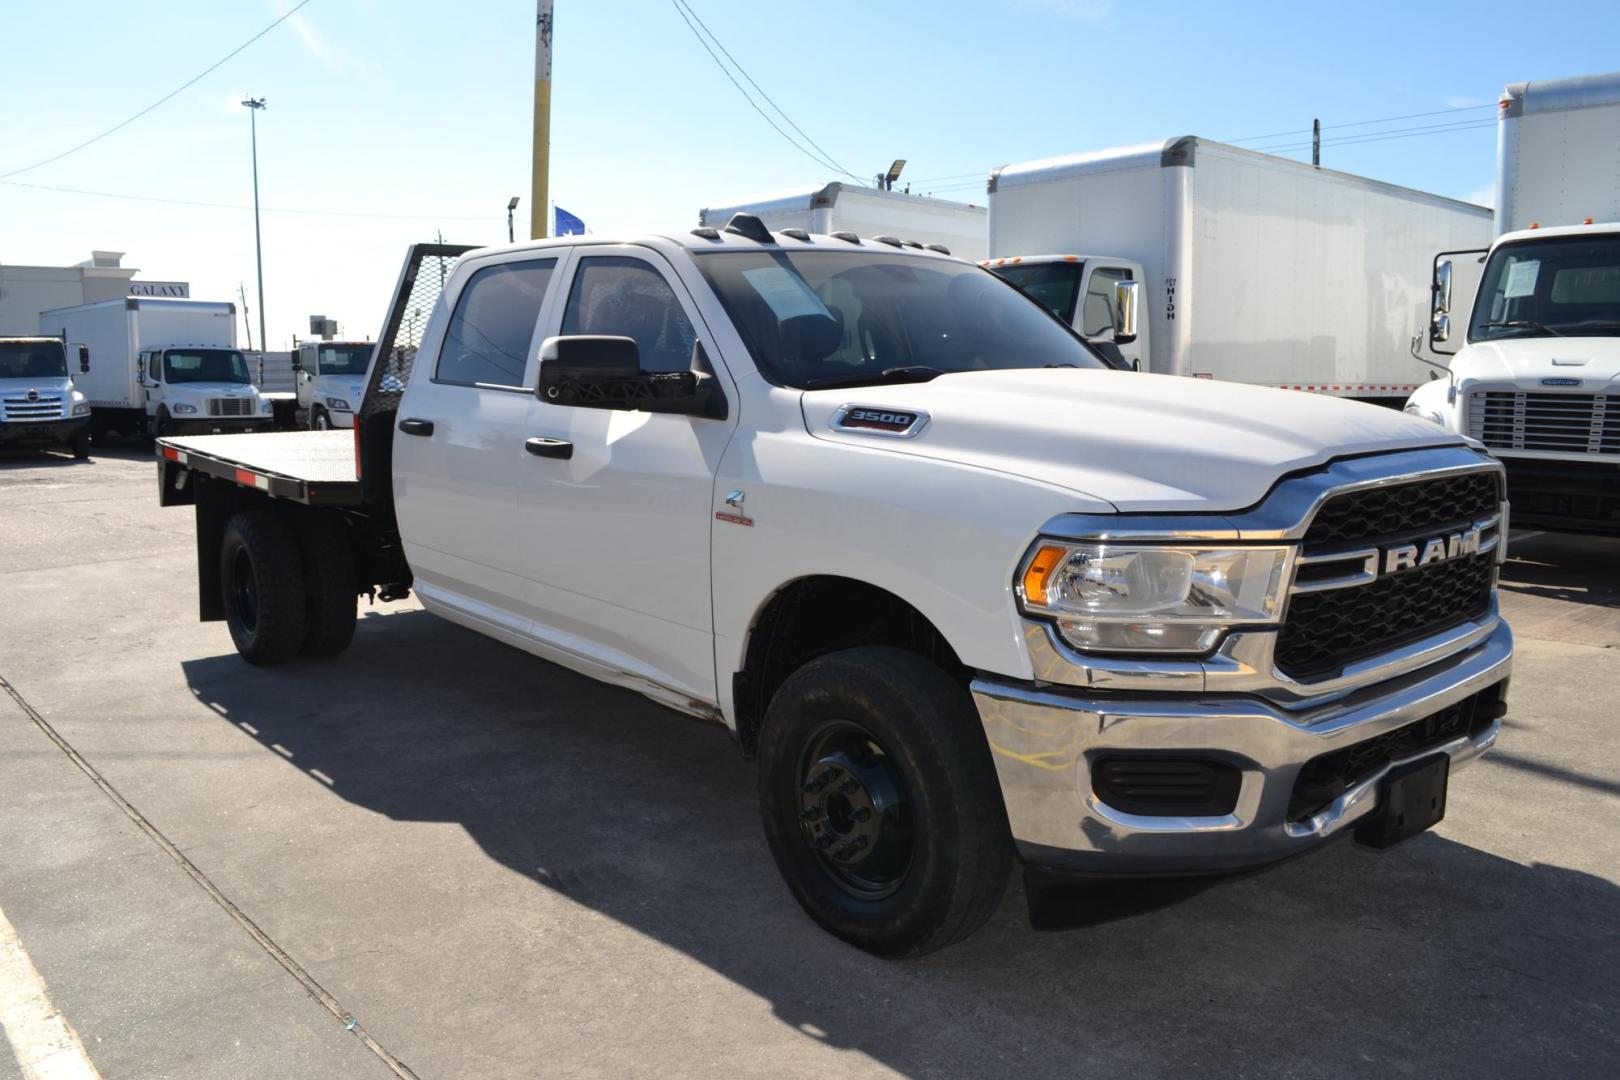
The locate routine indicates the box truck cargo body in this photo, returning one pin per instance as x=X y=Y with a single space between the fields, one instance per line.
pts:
x=1253 y=268
x=157 y=364
x=1537 y=350
x=864 y=211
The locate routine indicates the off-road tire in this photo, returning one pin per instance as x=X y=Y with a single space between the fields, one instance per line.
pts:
x=262 y=585
x=329 y=583
x=961 y=850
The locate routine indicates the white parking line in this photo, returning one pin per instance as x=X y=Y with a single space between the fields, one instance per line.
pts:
x=41 y=1038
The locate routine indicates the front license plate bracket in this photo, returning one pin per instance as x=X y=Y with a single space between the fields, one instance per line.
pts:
x=1411 y=799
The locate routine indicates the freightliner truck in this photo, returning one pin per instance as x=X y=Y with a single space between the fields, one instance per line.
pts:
x=966 y=593
x=1537 y=359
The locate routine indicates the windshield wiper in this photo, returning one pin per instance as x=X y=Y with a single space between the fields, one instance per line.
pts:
x=911 y=373
x=1521 y=324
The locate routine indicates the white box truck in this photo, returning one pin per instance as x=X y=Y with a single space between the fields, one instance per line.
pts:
x=838 y=207
x=1251 y=268
x=1537 y=357
x=162 y=366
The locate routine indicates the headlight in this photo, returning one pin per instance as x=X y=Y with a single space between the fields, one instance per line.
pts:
x=82 y=409
x=1152 y=598
x=184 y=410
x=1430 y=415
x=337 y=404
x=267 y=406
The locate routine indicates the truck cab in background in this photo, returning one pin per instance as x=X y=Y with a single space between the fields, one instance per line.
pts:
x=1097 y=296
x=39 y=405
x=331 y=376
x=1533 y=367
x=199 y=389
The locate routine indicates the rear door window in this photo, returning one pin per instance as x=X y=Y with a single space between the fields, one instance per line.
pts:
x=487 y=343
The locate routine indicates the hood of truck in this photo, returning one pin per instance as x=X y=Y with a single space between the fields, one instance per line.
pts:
x=210 y=389
x=347 y=387
x=55 y=385
x=1526 y=361
x=1141 y=442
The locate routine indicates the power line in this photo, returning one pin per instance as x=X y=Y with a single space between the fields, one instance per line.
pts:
x=1381 y=136
x=825 y=160
x=721 y=45
x=239 y=206
x=1362 y=123
x=161 y=100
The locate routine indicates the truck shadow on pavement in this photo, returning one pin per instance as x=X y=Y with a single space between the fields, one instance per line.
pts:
x=1431 y=959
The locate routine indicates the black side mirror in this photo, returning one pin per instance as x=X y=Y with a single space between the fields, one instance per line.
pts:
x=599 y=371
x=84 y=359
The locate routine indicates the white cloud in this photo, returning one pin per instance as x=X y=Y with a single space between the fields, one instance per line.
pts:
x=327 y=53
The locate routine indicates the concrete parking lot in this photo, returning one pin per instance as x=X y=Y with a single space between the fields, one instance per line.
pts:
x=439 y=856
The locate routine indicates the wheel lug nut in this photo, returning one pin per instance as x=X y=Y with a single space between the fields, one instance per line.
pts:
x=824 y=841
x=812 y=813
x=849 y=786
x=861 y=813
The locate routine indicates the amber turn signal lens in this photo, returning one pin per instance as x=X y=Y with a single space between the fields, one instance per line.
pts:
x=1041 y=568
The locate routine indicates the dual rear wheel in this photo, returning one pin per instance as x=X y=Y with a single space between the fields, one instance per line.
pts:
x=288 y=585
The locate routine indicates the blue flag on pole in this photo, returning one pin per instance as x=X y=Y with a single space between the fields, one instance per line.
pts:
x=568 y=224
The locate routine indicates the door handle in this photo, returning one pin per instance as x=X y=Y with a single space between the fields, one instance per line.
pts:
x=416 y=427
x=551 y=448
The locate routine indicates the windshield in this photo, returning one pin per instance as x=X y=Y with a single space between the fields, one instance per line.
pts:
x=1054 y=286
x=822 y=318
x=204 y=365
x=1559 y=287
x=343 y=359
x=32 y=360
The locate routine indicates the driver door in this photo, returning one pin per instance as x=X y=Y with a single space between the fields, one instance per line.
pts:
x=617 y=533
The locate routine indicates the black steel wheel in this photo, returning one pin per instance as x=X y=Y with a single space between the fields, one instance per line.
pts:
x=853 y=809
x=262 y=584
x=880 y=801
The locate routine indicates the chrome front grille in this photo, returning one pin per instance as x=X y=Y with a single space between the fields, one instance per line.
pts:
x=230 y=406
x=44 y=407
x=1348 y=617
x=1568 y=423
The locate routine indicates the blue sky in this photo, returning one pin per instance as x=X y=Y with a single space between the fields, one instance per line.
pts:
x=421 y=109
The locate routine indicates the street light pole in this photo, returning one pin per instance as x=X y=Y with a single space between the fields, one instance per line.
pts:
x=254 y=105
x=511 y=205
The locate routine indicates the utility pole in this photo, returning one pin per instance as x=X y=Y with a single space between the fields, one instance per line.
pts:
x=538 y=198
x=1316 y=142
x=253 y=105
x=241 y=291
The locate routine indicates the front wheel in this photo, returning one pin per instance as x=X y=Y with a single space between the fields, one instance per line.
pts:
x=319 y=421
x=881 y=803
x=162 y=423
x=80 y=445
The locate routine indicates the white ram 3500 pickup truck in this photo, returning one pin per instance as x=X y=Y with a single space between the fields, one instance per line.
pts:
x=967 y=593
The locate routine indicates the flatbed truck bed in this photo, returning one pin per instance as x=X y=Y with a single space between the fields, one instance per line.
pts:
x=315 y=468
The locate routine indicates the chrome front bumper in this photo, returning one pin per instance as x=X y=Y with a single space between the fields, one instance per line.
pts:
x=1044 y=737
